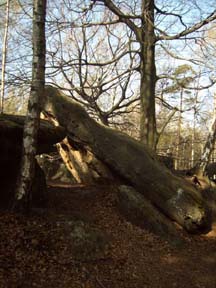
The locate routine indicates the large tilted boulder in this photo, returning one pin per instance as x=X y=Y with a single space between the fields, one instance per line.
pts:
x=11 y=132
x=132 y=162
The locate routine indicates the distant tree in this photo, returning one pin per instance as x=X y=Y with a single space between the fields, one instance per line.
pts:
x=104 y=52
x=182 y=77
x=201 y=166
x=16 y=100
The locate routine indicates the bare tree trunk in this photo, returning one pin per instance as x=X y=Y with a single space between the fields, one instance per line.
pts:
x=194 y=126
x=148 y=76
x=193 y=142
x=23 y=194
x=4 y=56
x=145 y=36
x=178 y=156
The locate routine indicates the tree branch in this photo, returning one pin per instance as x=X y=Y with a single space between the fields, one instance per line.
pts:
x=189 y=30
x=122 y=17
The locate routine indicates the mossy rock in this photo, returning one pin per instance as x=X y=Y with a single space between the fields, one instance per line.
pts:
x=85 y=241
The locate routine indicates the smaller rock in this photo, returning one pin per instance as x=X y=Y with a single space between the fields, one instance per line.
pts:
x=86 y=242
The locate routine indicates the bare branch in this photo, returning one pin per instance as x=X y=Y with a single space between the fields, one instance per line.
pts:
x=122 y=17
x=194 y=61
x=171 y=14
x=189 y=30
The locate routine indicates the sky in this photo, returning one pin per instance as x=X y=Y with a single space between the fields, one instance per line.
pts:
x=171 y=24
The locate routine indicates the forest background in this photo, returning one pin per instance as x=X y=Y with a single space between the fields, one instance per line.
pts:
x=94 y=57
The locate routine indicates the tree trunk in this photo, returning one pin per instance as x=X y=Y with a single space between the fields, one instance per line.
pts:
x=200 y=167
x=30 y=134
x=147 y=76
x=193 y=138
x=145 y=36
x=178 y=154
x=193 y=141
x=130 y=160
x=4 y=56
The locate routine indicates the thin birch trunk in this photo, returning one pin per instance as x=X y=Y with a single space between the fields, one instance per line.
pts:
x=194 y=125
x=193 y=142
x=23 y=194
x=4 y=56
x=193 y=135
x=178 y=160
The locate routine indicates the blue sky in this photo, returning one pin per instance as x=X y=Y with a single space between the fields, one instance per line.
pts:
x=190 y=15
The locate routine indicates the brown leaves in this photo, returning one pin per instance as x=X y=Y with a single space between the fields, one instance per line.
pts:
x=38 y=251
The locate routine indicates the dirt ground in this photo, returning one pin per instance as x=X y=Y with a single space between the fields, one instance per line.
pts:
x=34 y=253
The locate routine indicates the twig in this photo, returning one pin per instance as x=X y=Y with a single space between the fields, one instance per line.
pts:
x=99 y=282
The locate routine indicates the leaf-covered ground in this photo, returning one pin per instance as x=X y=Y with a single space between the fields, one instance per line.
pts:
x=37 y=251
